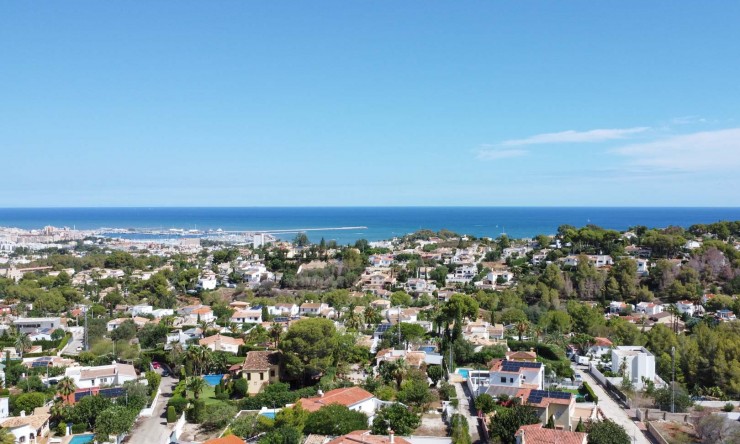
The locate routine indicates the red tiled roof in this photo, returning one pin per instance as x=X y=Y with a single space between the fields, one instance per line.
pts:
x=230 y=439
x=364 y=437
x=535 y=433
x=260 y=360
x=345 y=396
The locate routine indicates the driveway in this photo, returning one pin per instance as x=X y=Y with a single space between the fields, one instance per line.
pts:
x=613 y=411
x=154 y=430
x=464 y=408
x=78 y=335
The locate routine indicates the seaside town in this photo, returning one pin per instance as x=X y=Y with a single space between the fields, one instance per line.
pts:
x=588 y=335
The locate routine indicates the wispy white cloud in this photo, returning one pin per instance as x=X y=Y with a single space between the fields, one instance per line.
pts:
x=571 y=136
x=489 y=152
x=696 y=152
x=689 y=120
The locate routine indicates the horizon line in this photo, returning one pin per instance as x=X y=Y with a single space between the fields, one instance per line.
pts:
x=363 y=206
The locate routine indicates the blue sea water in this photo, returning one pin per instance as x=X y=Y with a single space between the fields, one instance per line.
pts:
x=381 y=222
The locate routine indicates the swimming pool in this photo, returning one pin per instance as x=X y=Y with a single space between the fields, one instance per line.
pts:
x=428 y=349
x=213 y=379
x=81 y=439
x=270 y=415
x=464 y=372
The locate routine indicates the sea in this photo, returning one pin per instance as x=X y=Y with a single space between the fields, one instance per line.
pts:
x=377 y=223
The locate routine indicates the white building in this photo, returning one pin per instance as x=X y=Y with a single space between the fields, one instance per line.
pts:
x=287 y=310
x=519 y=374
x=27 y=429
x=113 y=375
x=643 y=268
x=420 y=286
x=138 y=310
x=637 y=363
x=222 y=343
x=31 y=325
x=207 y=281
x=354 y=398
x=462 y=275
x=620 y=307
x=649 y=308
x=313 y=308
x=251 y=316
x=687 y=307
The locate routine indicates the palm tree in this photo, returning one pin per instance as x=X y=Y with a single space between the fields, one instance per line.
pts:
x=276 y=330
x=399 y=371
x=22 y=343
x=6 y=437
x=198 y=356
x=522 y=328
x=353 y=320
x=372 y=316
x=196 y=385
x=65 y=387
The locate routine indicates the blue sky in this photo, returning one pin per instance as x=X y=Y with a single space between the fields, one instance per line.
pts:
x=245 y=103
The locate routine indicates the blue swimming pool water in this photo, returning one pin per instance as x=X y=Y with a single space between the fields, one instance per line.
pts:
x=270 y=415
x=81 y=439
x=464 y=372
x=213 y=379
x=428 y=349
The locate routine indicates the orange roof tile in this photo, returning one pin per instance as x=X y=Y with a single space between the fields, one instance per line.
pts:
x=535 y=433
x=345 y=396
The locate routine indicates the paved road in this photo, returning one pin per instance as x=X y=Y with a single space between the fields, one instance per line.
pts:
x=78 y=334
x=613 y=411
x=466 y=410
x=154 y=430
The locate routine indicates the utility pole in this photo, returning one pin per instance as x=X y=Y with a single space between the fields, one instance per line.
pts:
x=673 y=380
x=84 y=339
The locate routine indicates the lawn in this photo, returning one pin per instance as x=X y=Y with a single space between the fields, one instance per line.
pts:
x=208 y=395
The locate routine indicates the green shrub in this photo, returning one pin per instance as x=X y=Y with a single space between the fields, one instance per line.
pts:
x=61 y=429
x=171 y=414
x=179 y=403
x=728 y=407
x=197 y=411
x=589 y=392
x=79 y=428
x=239 y=388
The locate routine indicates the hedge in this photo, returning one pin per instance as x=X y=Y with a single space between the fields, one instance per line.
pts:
x=178 y=403
x=590 y=392
x=79 y=428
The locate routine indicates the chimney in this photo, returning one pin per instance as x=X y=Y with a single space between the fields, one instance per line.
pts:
x=23 y=413
x=392 y=435
x=521 y=438
x=320 y=393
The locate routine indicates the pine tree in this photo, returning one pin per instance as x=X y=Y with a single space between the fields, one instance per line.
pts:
x=580 y=427
x=550 y=422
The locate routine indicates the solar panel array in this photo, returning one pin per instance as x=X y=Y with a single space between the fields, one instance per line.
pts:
x=382 y=328
x=536 y=396
x=514 y=366
x=39 y=364
x=112 y=392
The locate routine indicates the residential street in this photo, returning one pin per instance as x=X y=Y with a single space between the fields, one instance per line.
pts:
x=154 y=430
x=613 y=411
x=466 y=410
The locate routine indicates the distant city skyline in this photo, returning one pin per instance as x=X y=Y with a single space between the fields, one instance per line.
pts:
x=370 y=104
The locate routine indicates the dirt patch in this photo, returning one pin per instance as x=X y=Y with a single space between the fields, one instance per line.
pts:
x=431 y=425
x=193 y=433
x=676 y=432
